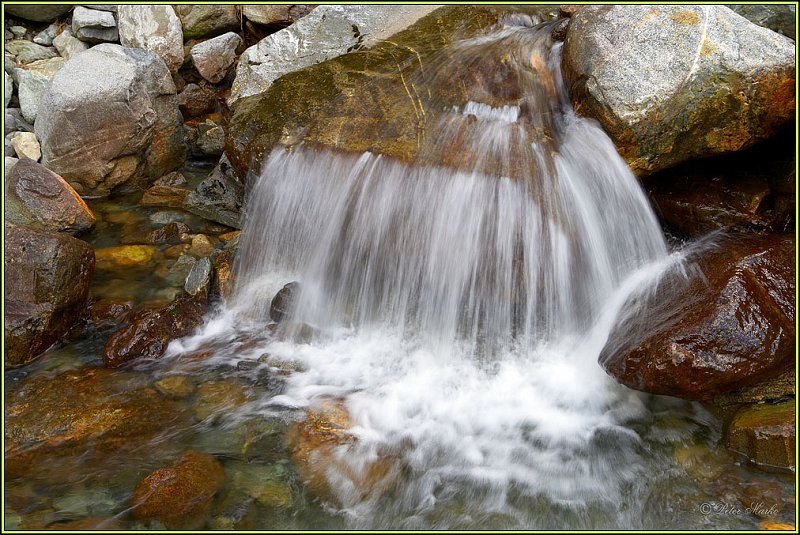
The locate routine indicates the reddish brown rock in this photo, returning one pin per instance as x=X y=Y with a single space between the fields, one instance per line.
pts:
x=195 y=101
x=87 y=414
x=179 y=496
x=168 y=191
x=38 y=197
x=108 y=313
x=314 y=444
x=223 y=282
x=47 y=277
x=765 y=434
x=151 y=330
x=701 y=338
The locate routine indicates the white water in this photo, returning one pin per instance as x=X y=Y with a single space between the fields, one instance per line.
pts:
x=460 y=313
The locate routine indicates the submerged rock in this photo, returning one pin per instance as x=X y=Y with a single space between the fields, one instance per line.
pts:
x=126 y=257
x=179 y=496
x=109 y=313
x=92 y=412
x=729 y=329
x=47 y=277
x=155 y=28
x=672 y=83
x=109 y=118
x=38 y=197
x=765 y=434
x=314 y=446
x=168 y=191
x=151 y=330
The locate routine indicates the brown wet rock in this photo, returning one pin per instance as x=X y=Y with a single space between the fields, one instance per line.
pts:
x=223 y=281
x=88 y=524
x=764 y=434
x=314 y=447
x=38 y=197
x=47 y=277
x=175 y=386
x=91 y=414
x=109 y=313
x=218 y=397
x=171 y=233
x=179 y=496
x=705 y=337
x=151 y=330
x=283 y=302
x=126 y=257
x=196 y=101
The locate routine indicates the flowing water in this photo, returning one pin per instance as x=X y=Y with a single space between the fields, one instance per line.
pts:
x=458 y=311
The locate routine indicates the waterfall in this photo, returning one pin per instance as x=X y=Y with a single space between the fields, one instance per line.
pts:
x=460 y=301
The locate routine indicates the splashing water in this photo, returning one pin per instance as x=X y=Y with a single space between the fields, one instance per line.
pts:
x=460 y=307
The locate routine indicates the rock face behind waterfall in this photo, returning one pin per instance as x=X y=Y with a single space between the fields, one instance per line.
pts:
x=110 y=118
x=732 y=328
x=672 y=83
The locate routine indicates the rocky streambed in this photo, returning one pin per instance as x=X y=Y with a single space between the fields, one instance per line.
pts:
x=134 y=135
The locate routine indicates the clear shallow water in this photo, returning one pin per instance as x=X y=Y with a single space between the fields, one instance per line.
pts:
x=458 y=313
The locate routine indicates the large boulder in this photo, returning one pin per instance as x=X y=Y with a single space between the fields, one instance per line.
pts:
x=358 y=101
x=38 y=12
x=179 y=496
x=151 y=330
x=38 y=197
x=47 y=277
x=325 y=33
x=85 y=413
x=731 y=327
x=152 y=27
x=110 y=118
x=780 y=18
x=672 y=83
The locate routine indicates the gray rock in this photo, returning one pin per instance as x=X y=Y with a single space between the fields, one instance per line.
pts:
x=327 y=32
x=205 y=20
x=26 y=51
x=110 y=117
x=9 y=148
x=26 y=145
x=18 y=31
x=15 y=122
x=46 y=36
x=103 y=7
x=155 y=28
x=210 y=138
x=10 y=163
x=38 y=197
x=31 y=80
x=180 y=270
x=68 y=45
x=219 y=197
x=780 y=18
x=214 y=57
x=199 y=278
x=9 y=62
x=8 y=89
x=94 y=26
x=38 y=12
x=672 y=83
x=268 y=15
x=47 y=277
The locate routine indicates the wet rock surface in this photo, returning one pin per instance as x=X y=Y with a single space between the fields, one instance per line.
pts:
x=730 y=328
x=765 y=434
x=151 y=330
x=47 y=277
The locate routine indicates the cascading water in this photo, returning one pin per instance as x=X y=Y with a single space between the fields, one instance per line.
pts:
x=460 y=307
